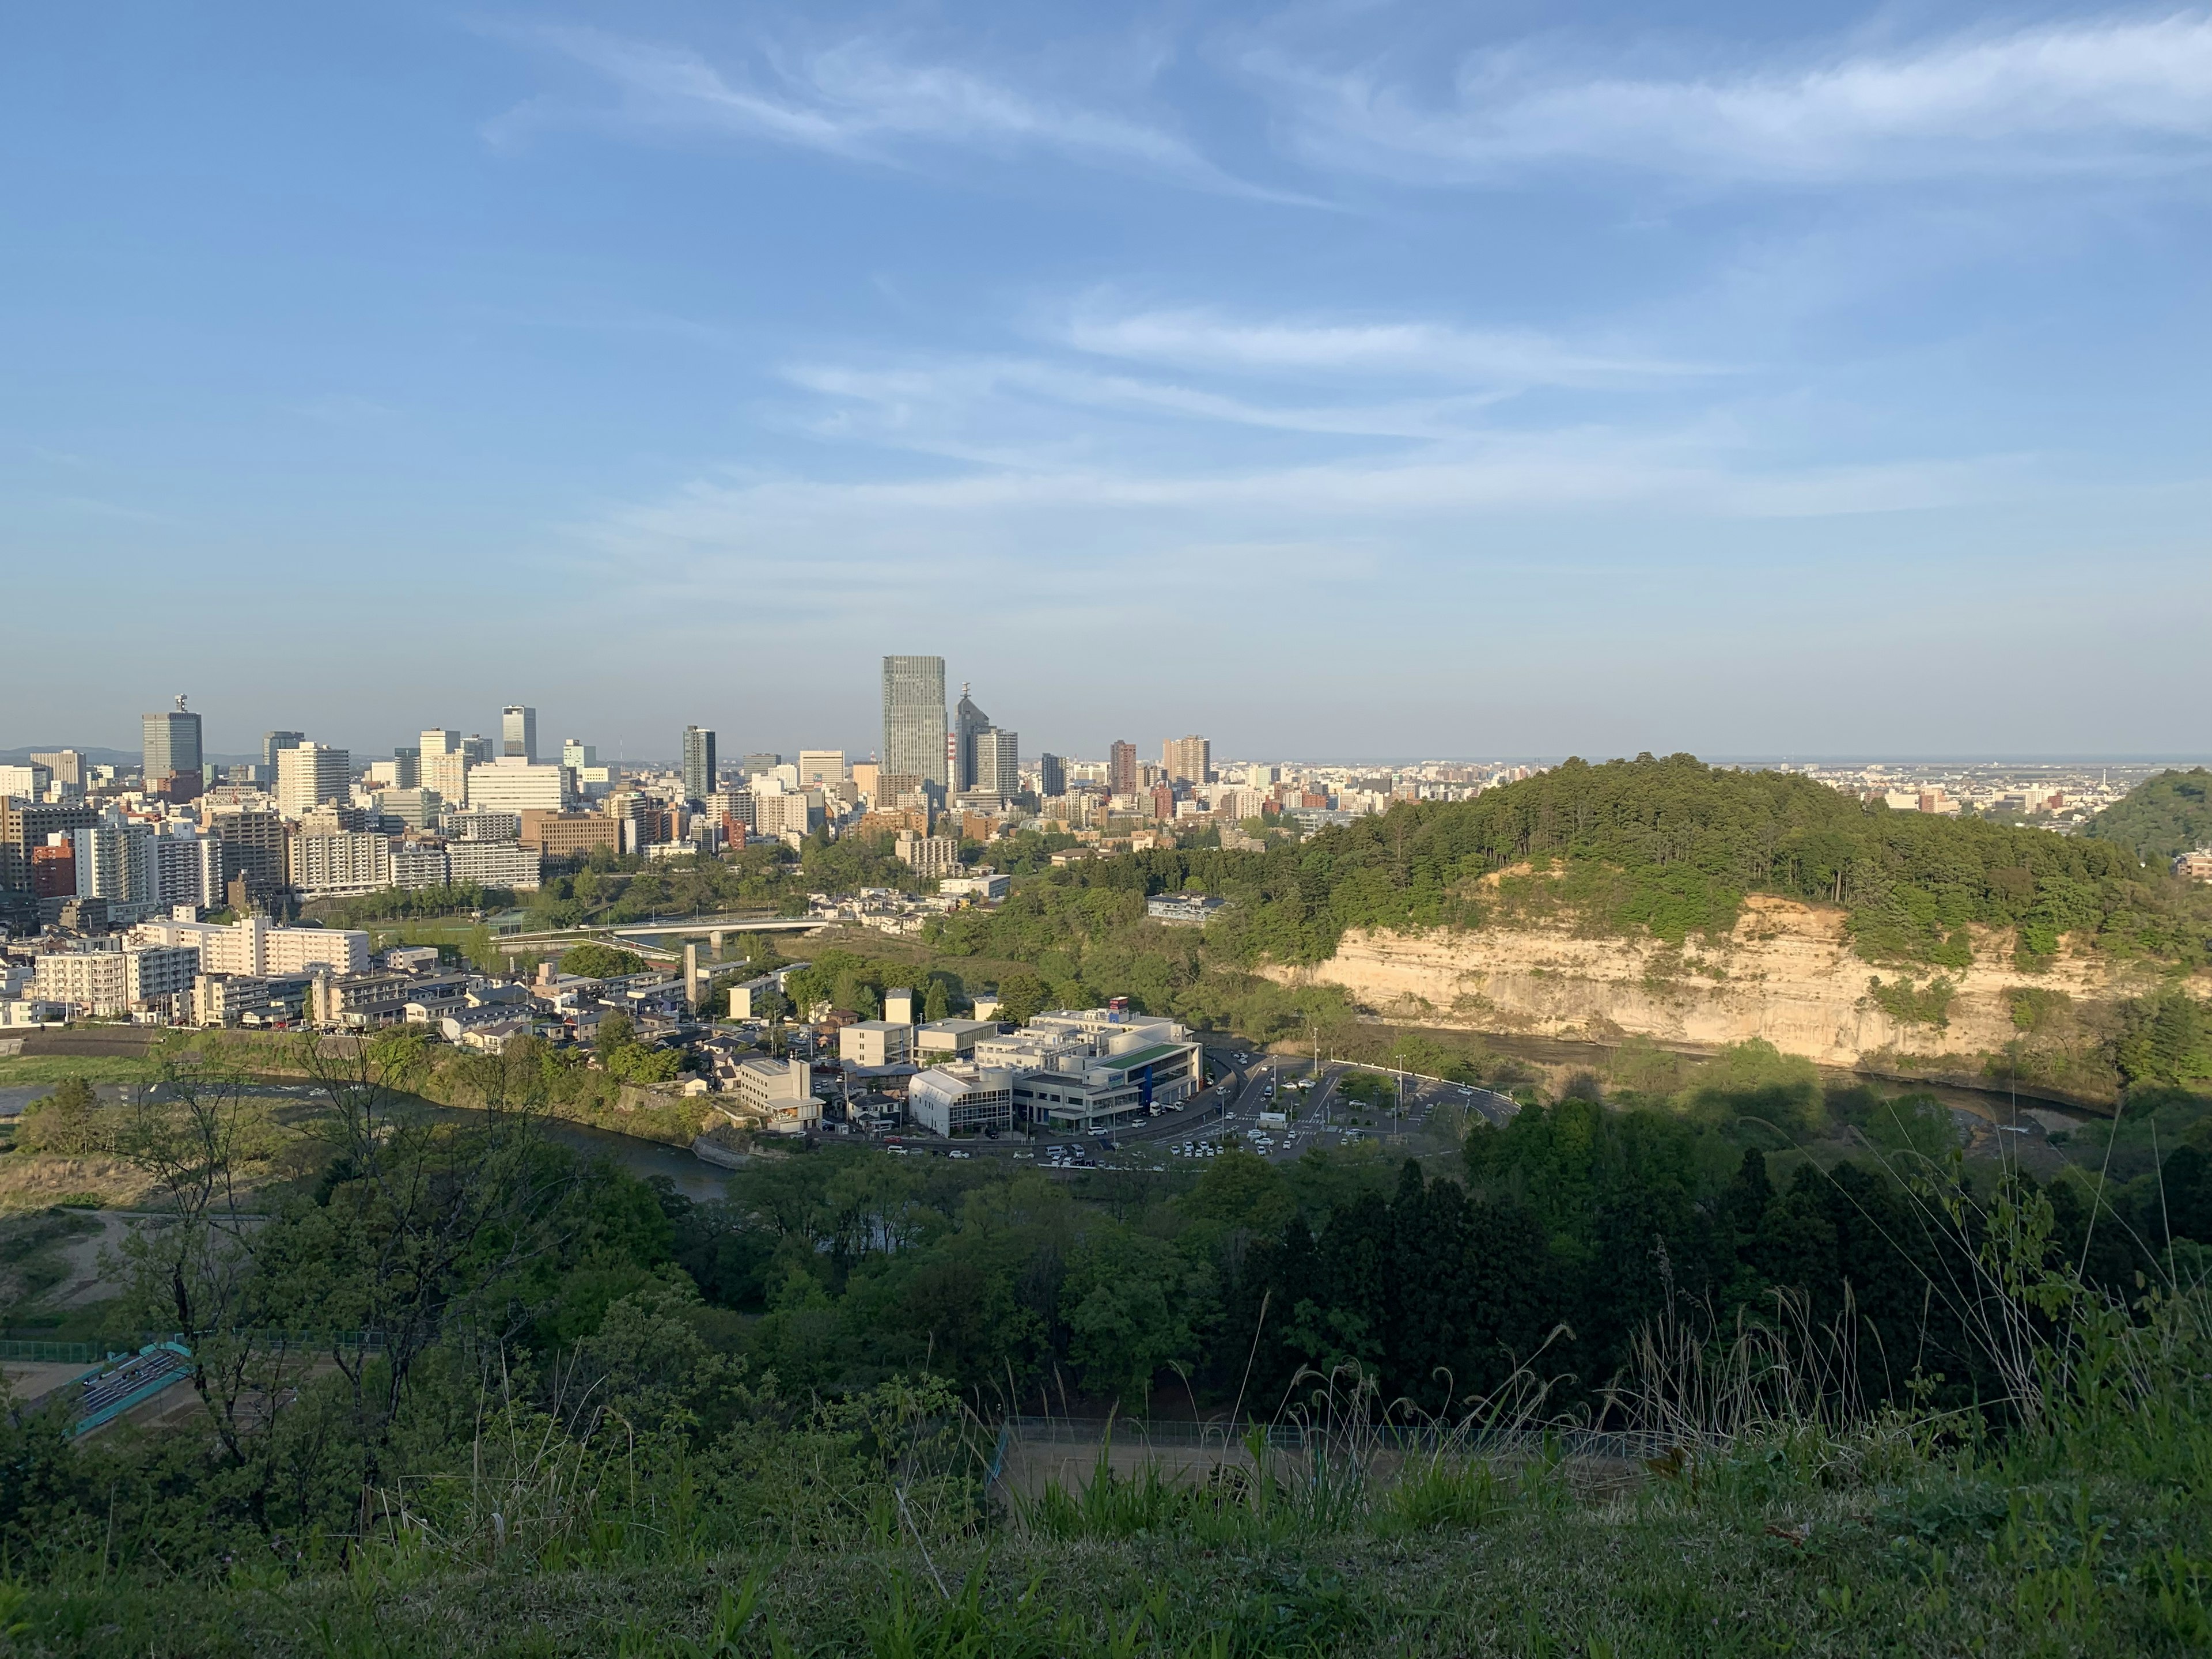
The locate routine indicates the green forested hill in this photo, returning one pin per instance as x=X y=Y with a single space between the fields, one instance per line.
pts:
x=1672 y=846
x=2160 y=818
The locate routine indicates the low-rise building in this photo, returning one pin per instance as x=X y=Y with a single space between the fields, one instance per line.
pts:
x=777 y=1095
x=1182 y=909
x=989 y=884
x=254 y=945
x=875 y=1042
x=570 y=834
x=951 y=1039
x=961 y=1098
x=2195 y=866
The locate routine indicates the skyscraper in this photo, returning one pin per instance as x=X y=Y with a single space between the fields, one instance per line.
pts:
x=698 y=762
x=170 y=753
x=1052 y=775
x=1121 y=769
x=518 y=732
x=997 y=763
x=968 y=722
x=271 y=742
x=914 y=718
x=1188 y=760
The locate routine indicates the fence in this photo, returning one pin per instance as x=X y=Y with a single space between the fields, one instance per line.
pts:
x=114 y=1347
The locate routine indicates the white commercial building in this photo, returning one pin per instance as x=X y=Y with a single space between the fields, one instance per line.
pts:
x=1096 y=1068
x=962 y=1099
x=511 y=784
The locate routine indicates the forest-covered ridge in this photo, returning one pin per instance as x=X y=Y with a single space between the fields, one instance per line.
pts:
x=1674 y=846
x=2160 y=818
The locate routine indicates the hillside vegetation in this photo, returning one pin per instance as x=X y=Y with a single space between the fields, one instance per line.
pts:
x=1884 y=1407
x=2160 y=818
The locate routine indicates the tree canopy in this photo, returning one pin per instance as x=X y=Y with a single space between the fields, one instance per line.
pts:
x=2160 y=818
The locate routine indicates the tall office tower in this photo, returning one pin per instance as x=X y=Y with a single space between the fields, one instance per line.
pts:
x=998 y=762
x=1188 y=760
x=698 y=762
x=575 y=752
x=518 y=732
x=406 y=766
x=1052 y=775
x=914 y=718
x=439 y=740
x=274 y=743
x=754 y=765
x=477 y=750
x=1121 y=769
x=173 y=766
x=968 y=723
x=310 y=775
x=67 y=765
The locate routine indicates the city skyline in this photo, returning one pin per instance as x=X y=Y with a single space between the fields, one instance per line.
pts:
x=1748 y=382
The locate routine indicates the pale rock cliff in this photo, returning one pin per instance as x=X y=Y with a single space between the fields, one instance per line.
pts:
x=1785 y=973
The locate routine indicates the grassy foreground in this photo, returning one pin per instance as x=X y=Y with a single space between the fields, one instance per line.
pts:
x=2069 y=1545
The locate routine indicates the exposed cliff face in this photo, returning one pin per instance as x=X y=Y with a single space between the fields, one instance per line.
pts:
x=1786 y=973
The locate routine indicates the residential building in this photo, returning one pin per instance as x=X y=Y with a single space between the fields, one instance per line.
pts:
x=91 y=982
x=53 y=869
x=875 y=1042
x=309 y=775
x=929 y=857
x=997 y=763
x=511 y=784
x=252 y=844
x=1052 y=775
x=418 y=864
x=699 y=779
x=187 y=868
x=114 y=861
x=961 y=1098
x=2195 y=866
x=226 y=999
x=914 y=718
x=1188 y=760
x=1121 y=769
x=797 y=813
x=494 y=864
x=346 y=862
x=254 y=946
x=518 y=734
x=173 y=765
x=273 y=744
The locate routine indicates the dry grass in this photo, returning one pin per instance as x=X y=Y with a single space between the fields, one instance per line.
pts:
x=35 y=1180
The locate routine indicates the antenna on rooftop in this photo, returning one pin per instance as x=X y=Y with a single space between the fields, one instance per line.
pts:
x=180 y=702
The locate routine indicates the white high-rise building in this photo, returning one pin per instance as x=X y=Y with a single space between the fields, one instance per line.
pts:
x=518 y=732
x=311 y=775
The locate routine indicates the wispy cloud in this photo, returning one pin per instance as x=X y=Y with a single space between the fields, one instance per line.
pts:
x=1419 y=349
x=861 y=98
x=2094 y=96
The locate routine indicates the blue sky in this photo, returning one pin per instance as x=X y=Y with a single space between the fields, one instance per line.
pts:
x=1335 y=378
